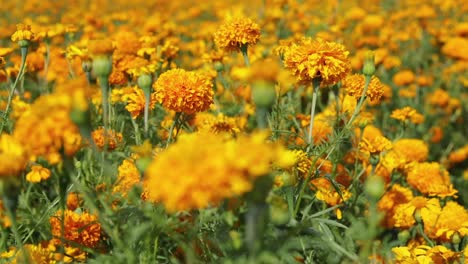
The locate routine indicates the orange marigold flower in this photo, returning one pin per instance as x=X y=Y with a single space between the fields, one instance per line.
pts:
x=111 y=137
x=424 y=254
x=390 y=200
x=404 y=77
x=23 y=32
x=456 y=48
x=430 y=179
x=197 y=179
x=458 y=155
x=33 y=253
x=101 y=47
x=13 y=156
x=236 y=33
x=38 y=174
x=218 y=123
x=411 y=150
x=73 y=201
x=184 y=91
x=80 y=228
x=310 y=59
x=129 y=176
x=134 y=97
x=354 y=86
x=439 y=98
x=375 y=146
x=407 y=114
x=326 y=191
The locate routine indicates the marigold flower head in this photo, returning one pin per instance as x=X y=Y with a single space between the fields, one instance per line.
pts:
x=354 y=86
x=80 y=228
x=411 y=150
x=101 y=137
x=198 y=179
x=219 y=123
x=390 y=200
x=424 y=254
x=38 y=174
x=50 y=125
x=235 y=33
x=134 y=98
x=458 y=155
x=404 y=78
x=375 y=146
x=128 y=177
x=33 y=253
x=100 y=47
x=444 y=223
x=407 y=114
x=13 y=156
x=184 y=91
x=23 y=32
x=404 y=215
x=326 y=191
x=456 y=48
x=430 y=179
x=439 y=97
x=317 y=59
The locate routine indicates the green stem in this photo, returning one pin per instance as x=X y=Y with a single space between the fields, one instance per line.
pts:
x=244 y=49
x=316 y=87
x=262 y=117
x=171 y=130
x=24 y=54
x=146 y=113
x=10 y=206
x=104 y=82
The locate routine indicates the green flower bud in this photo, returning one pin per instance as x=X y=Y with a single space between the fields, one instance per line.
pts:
x=102 y=66
x=87 y=65
x=145 y=81
x=375 y=186
x=368 y=68
x=263 y=94
x=403 y=236
x=218 y=66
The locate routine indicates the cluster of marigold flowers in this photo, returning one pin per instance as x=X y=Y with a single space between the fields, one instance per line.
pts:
x=241 y=60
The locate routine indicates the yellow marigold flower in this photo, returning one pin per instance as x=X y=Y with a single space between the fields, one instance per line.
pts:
x=310 y=59
x=375 y=146
x=135 y=100
x=430 y=179
x=303 y=161
x=4 y=219
x=184 y=91
x=354 y=86
x=456 y=48
x=38 y=174
x=23 y=32
x=411 y=150
x=80 y=228
x=325 y=191
x=236 y=33
x=19 y=107
x=197 y=178
x=218 y=123
x=13 y=156
x=111 y=137
x=128 y=177
x=322 y=128
x=390 y=200
x=50 y=125
x=404 y=215
x=424 y=254
x=34 y=254
x=444 y=224
x=407 y=114
x=404 y=77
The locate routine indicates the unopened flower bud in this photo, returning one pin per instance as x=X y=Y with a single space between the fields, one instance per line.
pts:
x=369 y=64
x=145 y=81
x=263 y=94
x=218 y=66
x=375 y=186
x=102 y=66
x=403 y=236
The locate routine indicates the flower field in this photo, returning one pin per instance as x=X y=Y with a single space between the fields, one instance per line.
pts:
x=261 y=131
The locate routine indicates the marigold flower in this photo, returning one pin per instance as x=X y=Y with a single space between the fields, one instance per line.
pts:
x=236 y=33
x=458 y=155
x=38 y=174
x=134 y=98
x=424 y=254
x=444 y=223
x=80 y=228
x=430 y=179
x=310 y=59
x=354 y=86
x=325 y=191
x=109 y=137
x=404 y=77
x=410 y=150
x=439 y=97
x=407 y=114
x=184 y=91
x=404 y=215
x=390 y=200
x=197 y=178
x=101 y=47
x=50 y=125
x=33 y=253
x=218 y=123
x=456 y=48
x=73 y=201
x=23 y=32
x=375 y=146
x=128 y=177
x=13 y=156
